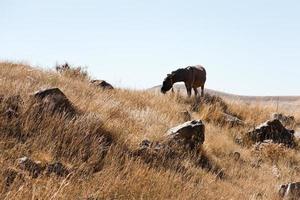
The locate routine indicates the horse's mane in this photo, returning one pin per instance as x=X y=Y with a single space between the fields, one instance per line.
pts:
x=178 y=70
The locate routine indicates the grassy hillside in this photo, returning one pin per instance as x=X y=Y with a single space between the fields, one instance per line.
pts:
x=97 y=145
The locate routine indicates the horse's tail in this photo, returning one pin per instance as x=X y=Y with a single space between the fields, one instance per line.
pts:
x=203 y=70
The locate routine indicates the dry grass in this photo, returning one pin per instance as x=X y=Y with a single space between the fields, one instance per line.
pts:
x=127 y=117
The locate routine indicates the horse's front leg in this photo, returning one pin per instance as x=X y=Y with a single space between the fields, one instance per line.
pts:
x=188 y=89
x=189 y=92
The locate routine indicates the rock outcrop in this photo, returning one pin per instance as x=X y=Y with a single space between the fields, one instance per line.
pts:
x=51 y=101
x=187 y=136
x=177 y=145
x=273 y=130
x=190 y=135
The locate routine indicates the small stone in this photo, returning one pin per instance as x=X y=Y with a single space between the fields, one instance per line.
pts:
x=232 y=120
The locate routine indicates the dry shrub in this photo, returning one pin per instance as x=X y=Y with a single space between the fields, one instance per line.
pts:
x=72 y=72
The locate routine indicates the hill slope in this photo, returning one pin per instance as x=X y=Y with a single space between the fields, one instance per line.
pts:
x=97 y=146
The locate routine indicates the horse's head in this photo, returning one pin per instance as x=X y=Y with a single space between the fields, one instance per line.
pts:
x=167 y=84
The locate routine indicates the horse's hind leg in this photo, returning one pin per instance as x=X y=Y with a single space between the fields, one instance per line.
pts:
x=196 y=92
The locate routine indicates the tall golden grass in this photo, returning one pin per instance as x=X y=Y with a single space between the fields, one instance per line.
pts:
x=127 y=117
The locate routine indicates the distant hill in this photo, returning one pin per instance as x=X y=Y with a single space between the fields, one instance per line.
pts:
x=181 y=88
x=284 y=102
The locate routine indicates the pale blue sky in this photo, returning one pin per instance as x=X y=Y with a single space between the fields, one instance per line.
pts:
x=248 y=47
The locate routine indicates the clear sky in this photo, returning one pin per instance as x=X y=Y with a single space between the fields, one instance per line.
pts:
x=248 y=47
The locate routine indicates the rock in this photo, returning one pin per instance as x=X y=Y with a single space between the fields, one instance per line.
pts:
x=284 y=119
x=239 y=140
x=10 y=113
x=34 y=168
x=190 y=134
x=102 y=84
x=232 y=120
x=53 y=100
x=290 y=191
x=57 y=168
x=145 y=144
x=273 y=130
x=235 y=155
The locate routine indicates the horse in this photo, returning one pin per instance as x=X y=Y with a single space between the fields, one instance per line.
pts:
x=192 y=76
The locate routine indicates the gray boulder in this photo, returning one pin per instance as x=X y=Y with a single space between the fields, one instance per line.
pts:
x=290 y=191
x=273 y=130
x=190 y=134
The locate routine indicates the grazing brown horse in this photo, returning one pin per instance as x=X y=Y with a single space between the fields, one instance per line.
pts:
x=192 y=76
